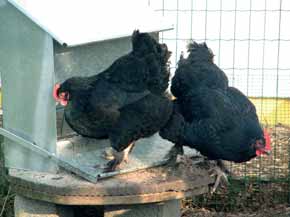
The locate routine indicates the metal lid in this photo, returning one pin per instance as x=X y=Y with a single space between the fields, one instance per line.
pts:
x=80 y=22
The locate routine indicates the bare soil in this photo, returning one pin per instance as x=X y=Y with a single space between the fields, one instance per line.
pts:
x=279 y=211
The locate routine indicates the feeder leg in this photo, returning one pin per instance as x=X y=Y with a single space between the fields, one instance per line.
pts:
x=165 y=209
x=25 y=207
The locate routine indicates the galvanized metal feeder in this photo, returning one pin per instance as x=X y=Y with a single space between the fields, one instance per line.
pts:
x=43 y=45
x=44 y=42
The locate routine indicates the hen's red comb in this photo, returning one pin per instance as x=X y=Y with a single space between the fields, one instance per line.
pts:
x=55 y=90
x=267 y=140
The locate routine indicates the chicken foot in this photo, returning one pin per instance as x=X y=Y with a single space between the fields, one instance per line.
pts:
x=108 y=154
x=119 y=157
x=221 y=176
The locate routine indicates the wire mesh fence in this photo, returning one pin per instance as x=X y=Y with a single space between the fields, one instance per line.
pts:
x=250 y=40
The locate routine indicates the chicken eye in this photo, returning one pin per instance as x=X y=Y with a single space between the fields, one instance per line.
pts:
x=64 y=95
x=259 y=144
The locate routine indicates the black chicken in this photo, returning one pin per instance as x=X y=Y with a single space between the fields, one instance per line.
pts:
x=197 y=70
x=125 y=102
x=218 y=121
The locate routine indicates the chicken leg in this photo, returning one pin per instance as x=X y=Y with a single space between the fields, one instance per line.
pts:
x=223 y=167
x=119 y=157
x=221 y=173
x=171 y=156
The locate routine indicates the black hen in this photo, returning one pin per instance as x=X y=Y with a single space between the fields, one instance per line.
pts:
x=221 y=125
x=218 y=121
x=198 y=69
x=125 y=102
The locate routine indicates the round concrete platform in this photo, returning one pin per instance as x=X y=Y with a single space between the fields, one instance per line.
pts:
x=145 y=186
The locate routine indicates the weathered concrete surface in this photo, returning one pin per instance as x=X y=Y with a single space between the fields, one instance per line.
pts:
x=25 y=207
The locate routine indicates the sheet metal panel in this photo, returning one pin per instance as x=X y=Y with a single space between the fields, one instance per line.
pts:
x=27 y=72
x=89 y=59
x=81 y=22
x=87 y=155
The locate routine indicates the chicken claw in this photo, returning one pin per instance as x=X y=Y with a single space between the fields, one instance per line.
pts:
x=108 y=154
x=118 y=158
x=112 y=165
x=220 y=176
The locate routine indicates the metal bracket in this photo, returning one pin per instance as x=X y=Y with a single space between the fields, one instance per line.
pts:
x=35 y=148
x=26 y=143
x=139 y=159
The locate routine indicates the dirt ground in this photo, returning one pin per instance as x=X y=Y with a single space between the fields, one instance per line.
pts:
x=188 y=211
x=279 y=211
